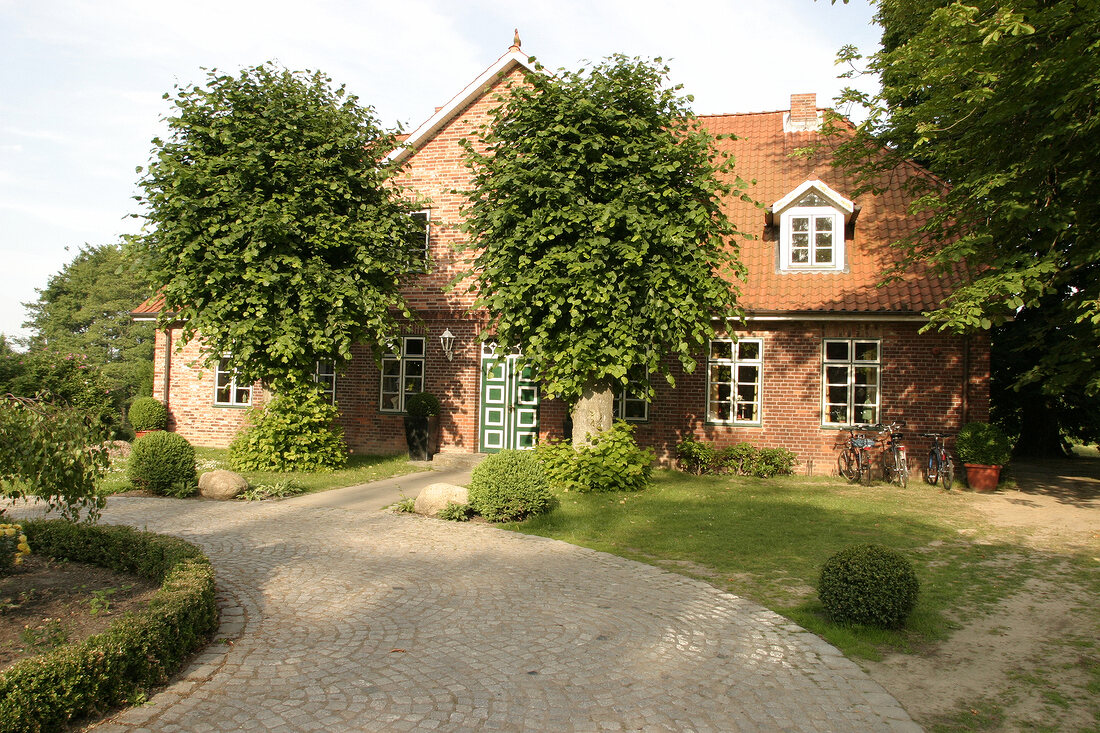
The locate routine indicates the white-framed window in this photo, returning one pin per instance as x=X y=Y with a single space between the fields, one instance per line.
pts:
x=325 y=375
x=402 y=373
x=631 y=403
x=734 y=377
x=811 y=221
x=850 y=381
x=227 y=391
x=416 y=245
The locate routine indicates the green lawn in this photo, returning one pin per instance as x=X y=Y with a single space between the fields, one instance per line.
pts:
x=360 y=469
x=766 y=539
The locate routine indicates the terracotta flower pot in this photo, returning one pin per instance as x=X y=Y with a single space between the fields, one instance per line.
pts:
x=981 y=478
x=143 y=433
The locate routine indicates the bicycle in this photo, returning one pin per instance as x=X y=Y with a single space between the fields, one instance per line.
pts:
x=940 y=466
x=854 y=461
x=895 y=464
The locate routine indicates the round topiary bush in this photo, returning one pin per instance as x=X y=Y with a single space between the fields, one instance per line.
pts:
x=510 y=486
x=422 y=404
x=147 y=413
x=163 y=463
x=868 y=584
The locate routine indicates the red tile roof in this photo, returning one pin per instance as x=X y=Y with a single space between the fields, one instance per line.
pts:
x=151 y=307
x=764 y=152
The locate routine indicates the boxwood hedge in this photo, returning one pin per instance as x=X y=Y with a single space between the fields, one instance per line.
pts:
x=138 y=650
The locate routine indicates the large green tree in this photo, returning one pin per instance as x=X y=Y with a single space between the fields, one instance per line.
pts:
x=274 y=228
x=998 y=98
x=85 y=309
x=602 y=246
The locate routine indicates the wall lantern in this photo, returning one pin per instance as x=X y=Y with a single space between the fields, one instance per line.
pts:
x=447 y=339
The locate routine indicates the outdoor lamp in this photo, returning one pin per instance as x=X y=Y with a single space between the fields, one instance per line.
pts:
x=447 y=339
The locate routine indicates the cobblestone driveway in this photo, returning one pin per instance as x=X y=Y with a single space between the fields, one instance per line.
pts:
x=345 y=621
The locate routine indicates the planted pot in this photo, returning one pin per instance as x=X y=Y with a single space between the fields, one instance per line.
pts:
x=417 y=436
x=982 y=478
x=143 y=433
x=422 y=426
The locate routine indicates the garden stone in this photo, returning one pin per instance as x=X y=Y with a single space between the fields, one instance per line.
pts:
x=435 y=497
x=222 y=485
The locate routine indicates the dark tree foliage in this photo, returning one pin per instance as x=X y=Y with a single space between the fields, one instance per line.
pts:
x=999 y=99
x=85 y=309
x=275 y=229
x=595 y=210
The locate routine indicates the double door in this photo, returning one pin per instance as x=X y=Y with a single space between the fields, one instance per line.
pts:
x=509 y=414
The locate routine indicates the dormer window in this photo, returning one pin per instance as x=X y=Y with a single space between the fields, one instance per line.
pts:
x=811 y=223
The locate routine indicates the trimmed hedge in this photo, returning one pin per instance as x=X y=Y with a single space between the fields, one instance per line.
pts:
x=139 y=650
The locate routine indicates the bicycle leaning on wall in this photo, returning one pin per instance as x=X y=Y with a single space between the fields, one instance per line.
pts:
x=940 y=467
x=854 y=461
x=895 y=463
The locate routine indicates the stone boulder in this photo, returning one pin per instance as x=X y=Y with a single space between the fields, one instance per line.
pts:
x=221 y=485
x=434 y=497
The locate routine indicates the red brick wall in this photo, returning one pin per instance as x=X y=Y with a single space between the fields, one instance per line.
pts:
x=922 y=383
x=191 y=409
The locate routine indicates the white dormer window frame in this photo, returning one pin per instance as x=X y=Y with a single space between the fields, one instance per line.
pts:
x=812 y=221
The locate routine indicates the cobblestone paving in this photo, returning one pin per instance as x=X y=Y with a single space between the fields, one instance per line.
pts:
x=346 y=621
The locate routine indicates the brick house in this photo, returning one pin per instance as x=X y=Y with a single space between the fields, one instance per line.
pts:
x=822 y=346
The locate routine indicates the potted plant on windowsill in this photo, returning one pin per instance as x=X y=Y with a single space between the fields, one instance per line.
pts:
x=422 y=425
x=983 y=450
x=147 y=415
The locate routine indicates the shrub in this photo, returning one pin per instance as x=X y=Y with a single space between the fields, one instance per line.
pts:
x=277 y=490
x=695 y=456
x=54 y=452
x=868 y=584
x=613 y=462
x=296 y=431
x=455 y=512
x=509 y=486
x=422 y=404
x=137 y=651
x=743 y=459
x=984 y=444
x=13 y=546
x=148 y=413
x=163 y=463
x=770 y=462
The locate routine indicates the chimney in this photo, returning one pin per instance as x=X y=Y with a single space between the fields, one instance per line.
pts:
x=803 y=115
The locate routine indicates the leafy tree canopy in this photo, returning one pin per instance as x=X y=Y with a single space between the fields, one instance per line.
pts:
x=85 y=309
x=998 y=98
x=274 y=228
x=595 y=212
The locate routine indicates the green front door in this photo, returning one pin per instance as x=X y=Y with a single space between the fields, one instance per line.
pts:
x=509 y=415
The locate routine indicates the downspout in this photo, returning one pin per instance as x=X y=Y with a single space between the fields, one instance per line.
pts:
x=966 y=381
x=167 y=364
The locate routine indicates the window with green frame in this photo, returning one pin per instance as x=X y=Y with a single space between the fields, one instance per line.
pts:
x=734 y=379
x=324 y=374
x=402 y=373
x=631 y=403
x=850 y=381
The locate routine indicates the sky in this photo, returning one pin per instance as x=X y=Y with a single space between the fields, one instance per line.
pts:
x=82 y=81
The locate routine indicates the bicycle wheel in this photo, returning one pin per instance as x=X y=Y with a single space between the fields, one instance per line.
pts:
x=948 y=475
x=865 y=468
x=903 y=471
x=845 y=466
x=932 y=474
x=889 y=466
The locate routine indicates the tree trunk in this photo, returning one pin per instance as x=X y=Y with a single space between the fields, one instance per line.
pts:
x=592 y=415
